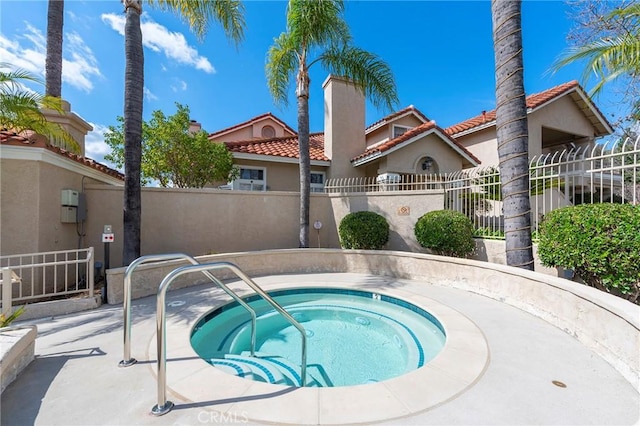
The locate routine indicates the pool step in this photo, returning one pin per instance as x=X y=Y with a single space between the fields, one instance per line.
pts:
x=263 y=368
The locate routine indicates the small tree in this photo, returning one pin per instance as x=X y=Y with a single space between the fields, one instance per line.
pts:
x=363 y=230
x=172 y=155
x=446 y=232
x=600 y=242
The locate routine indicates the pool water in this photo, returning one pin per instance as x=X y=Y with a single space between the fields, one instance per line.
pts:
x=353 y=337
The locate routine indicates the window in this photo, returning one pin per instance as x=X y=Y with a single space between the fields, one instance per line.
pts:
x=317 y=181
x=427 y=165
x=268 y=132
x=399 y=130
x=251 y=179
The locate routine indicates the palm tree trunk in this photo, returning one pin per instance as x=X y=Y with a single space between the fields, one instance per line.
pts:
x=133 y=97
x=302 y=93
x=512 y=131
x=53 y=65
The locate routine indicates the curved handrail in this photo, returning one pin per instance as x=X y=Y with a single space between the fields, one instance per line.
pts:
x=126 y=304
x=165 y=406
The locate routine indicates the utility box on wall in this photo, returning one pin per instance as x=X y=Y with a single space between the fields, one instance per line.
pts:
x=69 y=211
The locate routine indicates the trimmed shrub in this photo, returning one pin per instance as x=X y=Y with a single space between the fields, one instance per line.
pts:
x=600 y=242
x=363 y=230
x=446 y=232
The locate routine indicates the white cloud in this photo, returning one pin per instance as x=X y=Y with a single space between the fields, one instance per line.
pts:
x=149 y=95
x=159 y=39
x=94 y=144
x=180 y=86
x=79 y=66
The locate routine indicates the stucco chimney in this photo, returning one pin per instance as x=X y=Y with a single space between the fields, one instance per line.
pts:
x=69 y=121
x=343 y=126
x=194 y=126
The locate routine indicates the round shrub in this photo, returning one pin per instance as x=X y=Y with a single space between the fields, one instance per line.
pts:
x=446 y=232
x=363 y=230
x=599 y=242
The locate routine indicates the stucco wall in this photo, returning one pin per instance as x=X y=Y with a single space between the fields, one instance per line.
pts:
x=406 y=160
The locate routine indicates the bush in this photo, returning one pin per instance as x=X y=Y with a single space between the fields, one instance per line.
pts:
x=363 y=230
x=446 y=232
x=600 y=242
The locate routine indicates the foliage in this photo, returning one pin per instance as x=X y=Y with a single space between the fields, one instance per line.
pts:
x=489 y=233
x=445 y=232
x=5 y=321
x=317 y=27
x=172 y=155
x=363 y=230
x=600 y=242
x=20 y=108
x=607 y=37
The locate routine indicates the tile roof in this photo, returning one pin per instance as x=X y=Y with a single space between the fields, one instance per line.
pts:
x=29 y=138
x=396 y=114
x=250 y=121
x=429 y=126
x=533 y=101
x=280 y=147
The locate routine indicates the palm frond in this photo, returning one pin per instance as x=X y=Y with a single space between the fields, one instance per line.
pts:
x=282 y=63
x=369 y=73
x=317 y=23
x=199 y=14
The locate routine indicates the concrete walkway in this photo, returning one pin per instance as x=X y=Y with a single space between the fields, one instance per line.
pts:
x=74 y=379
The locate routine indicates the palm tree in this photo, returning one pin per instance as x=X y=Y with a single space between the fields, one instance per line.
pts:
x=512 y=131
x=613 y=56
x=317 y=27
x=53 y=64
x=197 y=14
x=20 y=107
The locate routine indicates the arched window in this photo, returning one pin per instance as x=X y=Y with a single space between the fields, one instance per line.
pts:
x=268 y=132
x=427 y=165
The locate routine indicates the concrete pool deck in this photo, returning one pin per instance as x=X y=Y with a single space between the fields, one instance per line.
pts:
x=75 y=378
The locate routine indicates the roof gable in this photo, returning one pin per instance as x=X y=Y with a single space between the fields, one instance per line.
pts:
x=535 y=102
x=409 y=137
x=251 y=122
x=410 y=110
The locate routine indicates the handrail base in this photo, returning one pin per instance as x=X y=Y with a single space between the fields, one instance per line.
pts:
x=161 y=411
x=127 y=363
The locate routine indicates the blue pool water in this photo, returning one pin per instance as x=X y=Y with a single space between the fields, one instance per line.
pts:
x=353 y=337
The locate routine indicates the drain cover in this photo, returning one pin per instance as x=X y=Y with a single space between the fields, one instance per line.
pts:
x=176 y=303
x=558 y=383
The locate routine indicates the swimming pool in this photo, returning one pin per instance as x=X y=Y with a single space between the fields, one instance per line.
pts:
x=353 y=337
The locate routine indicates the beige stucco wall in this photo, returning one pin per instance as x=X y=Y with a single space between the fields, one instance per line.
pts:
x=30 y=207
x=406 y=160
x=280 y=176
x=562 y=114
x=386 y=132
x=253 y=130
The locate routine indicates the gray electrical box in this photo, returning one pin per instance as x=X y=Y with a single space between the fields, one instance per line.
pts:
x=69 y=197
x=68 y=214
x=82 y=207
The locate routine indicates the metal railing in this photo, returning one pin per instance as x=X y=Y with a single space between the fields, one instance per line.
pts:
x=127 y=360
x=163 y=406
x=42 y=276
x=402 y=182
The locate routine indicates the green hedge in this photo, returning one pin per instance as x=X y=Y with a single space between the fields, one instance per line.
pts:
x=363 y=230
x=600 y=242
x=446 y=232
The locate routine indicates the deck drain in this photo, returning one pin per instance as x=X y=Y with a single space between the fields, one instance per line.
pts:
x=176 y=303
x=558 y=383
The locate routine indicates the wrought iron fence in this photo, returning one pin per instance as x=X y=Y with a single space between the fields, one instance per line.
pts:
x=41 y=276
x=606 y=172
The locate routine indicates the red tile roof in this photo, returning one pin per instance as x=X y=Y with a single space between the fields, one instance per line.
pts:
x=30 y=139
x=280 y=147
x=533 y=101
x=429 y=126
x=393 y=115
x=251 y=121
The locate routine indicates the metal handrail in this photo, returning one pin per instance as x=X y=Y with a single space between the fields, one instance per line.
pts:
x=126 y=304
x=165 y=406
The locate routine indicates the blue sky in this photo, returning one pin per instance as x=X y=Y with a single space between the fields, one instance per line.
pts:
x=441 y=54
